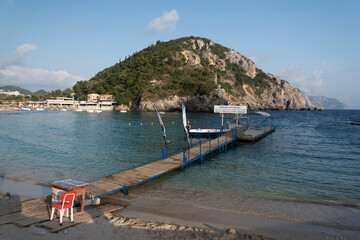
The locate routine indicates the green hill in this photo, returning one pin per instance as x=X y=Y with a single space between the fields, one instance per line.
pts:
x=186 y=68
x=15 y=88
x=40 y=92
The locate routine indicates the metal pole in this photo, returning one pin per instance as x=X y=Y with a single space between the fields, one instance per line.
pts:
x=179 y=146
x=209 y=140
x=200 y=145
x=188 y=155
x=163 y=153
x=166 y=153
x=184 y=158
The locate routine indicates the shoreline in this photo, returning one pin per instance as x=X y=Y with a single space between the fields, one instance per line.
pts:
x=46 y=185
x=183 y=219
x=25 y=190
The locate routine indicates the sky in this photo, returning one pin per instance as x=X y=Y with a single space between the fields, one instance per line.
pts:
x=314 y=45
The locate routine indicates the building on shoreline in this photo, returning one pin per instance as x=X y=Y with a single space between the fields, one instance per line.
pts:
x=62 y=101
x=95 y=101
x=10 y=93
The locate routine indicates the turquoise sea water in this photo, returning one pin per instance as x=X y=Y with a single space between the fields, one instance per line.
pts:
x=311 y=157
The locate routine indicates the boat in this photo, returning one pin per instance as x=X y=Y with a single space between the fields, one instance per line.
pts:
x=213 y=132
x=123 y=111
x=78 y=110
x=199 y=131
x=63 y=110
x=90 y=111
x=39 y=109
x=25 y=109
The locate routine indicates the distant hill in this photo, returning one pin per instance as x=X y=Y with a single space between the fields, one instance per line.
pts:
x=40 y=92
x=325 y=102
x=15 y=88
x=194 y=70
x=23 y=90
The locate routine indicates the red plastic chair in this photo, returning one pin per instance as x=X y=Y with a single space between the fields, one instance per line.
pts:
x=67 y=202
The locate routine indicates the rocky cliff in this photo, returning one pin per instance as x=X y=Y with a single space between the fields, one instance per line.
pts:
x=325 y=102
x=195 y=70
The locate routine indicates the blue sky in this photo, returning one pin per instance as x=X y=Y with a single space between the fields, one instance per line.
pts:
x=312 y=44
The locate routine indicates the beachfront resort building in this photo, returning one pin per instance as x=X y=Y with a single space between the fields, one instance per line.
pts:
x=10 y=93
x=93 y=97
x=60 y=101
x=94 y=101
x=106 y=98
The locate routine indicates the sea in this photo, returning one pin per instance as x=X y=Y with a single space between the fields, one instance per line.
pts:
x=307 y=171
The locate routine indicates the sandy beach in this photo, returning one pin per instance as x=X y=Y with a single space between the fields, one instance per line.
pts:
x=160 y=218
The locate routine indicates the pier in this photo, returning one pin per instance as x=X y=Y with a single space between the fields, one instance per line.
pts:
x=255 y=133
x=123 y=181
x=37 y=212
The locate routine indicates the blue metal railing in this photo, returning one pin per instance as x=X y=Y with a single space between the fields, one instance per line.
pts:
x=202 y=143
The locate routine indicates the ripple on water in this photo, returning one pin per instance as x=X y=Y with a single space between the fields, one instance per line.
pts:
x=312 y=156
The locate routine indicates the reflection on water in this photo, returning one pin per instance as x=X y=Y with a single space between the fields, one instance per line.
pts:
x=312 y=156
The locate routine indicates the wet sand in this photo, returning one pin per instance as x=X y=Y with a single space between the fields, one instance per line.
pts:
x=220 y=219
x=155 y=217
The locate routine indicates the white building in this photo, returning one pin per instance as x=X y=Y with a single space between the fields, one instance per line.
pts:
x=14 y=93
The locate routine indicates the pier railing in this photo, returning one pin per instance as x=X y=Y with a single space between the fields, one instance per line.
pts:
x=207 y=145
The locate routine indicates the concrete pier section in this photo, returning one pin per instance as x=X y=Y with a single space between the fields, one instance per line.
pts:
x=253 y=134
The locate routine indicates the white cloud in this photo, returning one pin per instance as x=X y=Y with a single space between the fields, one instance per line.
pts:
x=263 y=58
x=24 y=49
x=37 y=78
x=12 y=72
x=310 y=83
x=165 y=22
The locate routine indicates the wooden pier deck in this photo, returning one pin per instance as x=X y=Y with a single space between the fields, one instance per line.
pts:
x=131 y=178
x=124 y=180
x=37 y=212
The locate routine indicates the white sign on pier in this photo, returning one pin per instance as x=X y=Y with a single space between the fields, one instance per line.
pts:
x=230 y=109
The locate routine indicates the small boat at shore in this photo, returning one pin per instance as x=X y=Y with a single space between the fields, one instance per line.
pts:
x=123 y=111
x=25 y=109
x=212 y=132
x=199 y=131
x=63 y=110
x=90 y=111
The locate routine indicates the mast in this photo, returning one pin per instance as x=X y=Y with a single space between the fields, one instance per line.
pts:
x=162 y=124
x=185 y=123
